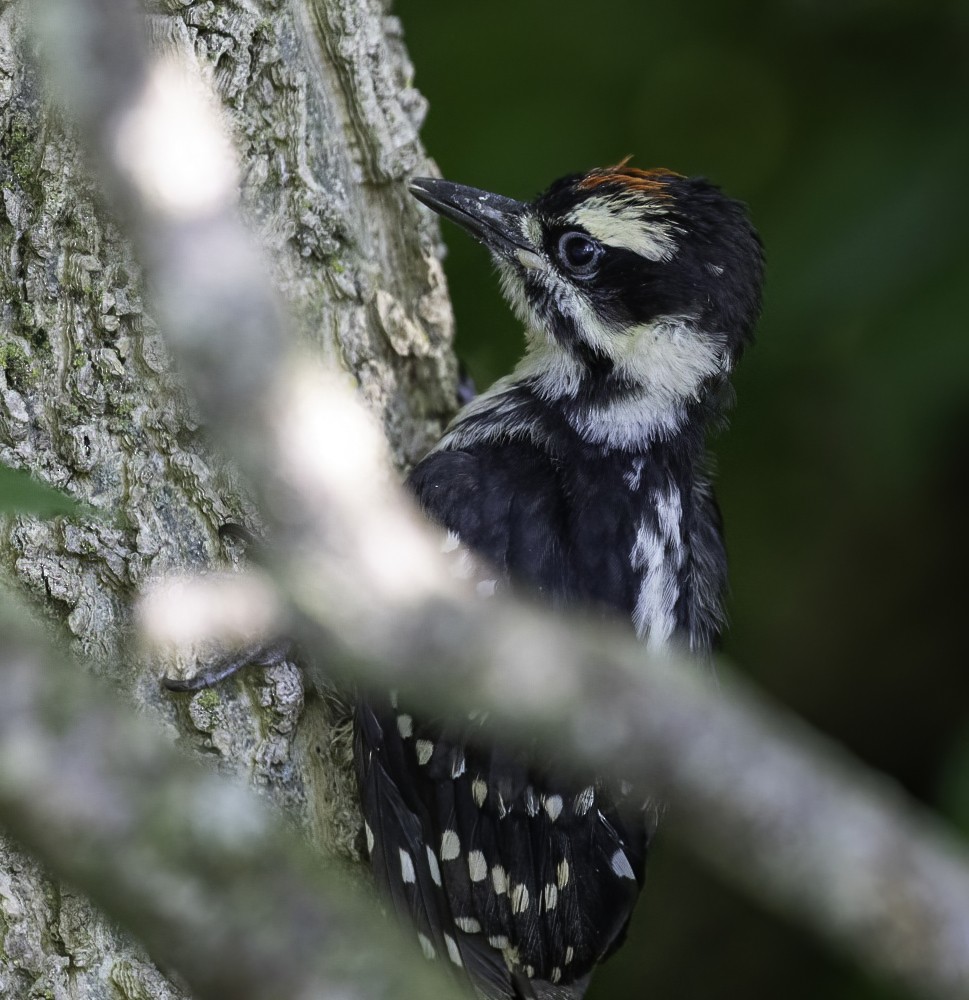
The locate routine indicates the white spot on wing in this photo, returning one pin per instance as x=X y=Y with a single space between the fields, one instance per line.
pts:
x=369 y=833
x=562 y=874
x=457 y=764
x=450 y=845
x=551 y=897
x=405 y=726
x=499 y=880
x=569 y=954
x=479 y=789
x=426 y=945
x=452 y=949
x=621 y=866
x=425 y=750
x=477 y=866
x=407 y=867
x=468 y=924
x=519 y=898
x=553 y=806
x=531 y=801
x=584 y=800
x=434 y=866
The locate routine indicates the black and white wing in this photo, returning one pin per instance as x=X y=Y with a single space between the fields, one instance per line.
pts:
x=511 y=871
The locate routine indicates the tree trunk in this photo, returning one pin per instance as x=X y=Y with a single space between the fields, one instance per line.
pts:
x=317 y=100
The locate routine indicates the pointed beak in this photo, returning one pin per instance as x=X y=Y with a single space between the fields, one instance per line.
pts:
x=492 y=219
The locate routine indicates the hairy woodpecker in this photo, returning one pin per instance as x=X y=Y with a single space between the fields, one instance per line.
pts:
x=581 y=475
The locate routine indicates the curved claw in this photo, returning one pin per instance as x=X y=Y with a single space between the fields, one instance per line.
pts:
x=263 y=655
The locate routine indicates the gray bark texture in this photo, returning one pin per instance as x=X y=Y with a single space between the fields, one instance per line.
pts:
x=317 y=99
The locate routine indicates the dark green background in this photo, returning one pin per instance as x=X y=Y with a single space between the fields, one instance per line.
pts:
x=843 y=476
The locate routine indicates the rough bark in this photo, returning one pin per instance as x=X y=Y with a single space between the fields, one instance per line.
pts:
x=318 y=101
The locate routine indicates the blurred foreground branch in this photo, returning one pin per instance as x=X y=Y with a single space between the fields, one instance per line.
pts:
x=773 y=807
x=189 y=861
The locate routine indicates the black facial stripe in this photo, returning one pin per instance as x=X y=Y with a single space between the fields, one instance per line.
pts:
x=630 y=290
x=564 y=329
x=560 y=324
x=598 y=366
x=542 y=301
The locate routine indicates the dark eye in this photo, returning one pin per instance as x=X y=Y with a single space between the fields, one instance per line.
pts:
x=579 y=253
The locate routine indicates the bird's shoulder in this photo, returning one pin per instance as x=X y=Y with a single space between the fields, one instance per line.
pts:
x=543 y=508
x=470 y=488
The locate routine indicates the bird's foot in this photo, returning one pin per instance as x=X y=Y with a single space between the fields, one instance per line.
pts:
x=263 y=654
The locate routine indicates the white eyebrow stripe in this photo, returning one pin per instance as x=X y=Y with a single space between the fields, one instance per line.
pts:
x=610 y=224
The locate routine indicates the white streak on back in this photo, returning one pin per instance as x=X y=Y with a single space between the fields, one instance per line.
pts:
x=658 y=552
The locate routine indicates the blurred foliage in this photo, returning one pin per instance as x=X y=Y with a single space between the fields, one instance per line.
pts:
x=20 y=494
x=843 y=124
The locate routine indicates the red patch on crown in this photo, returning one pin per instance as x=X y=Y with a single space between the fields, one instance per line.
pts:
x=652 y=182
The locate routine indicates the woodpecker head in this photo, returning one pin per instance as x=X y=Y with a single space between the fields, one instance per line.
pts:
x=639 y=289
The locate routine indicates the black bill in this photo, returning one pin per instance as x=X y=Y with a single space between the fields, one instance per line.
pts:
x=491 y=218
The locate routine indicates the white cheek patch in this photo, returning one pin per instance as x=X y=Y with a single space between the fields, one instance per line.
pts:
x=669 y=356
x=667 y=361
x=615 y=226
x=550 y=369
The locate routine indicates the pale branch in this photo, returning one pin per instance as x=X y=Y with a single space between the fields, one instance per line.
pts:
x=188 y=860
x=773 y=807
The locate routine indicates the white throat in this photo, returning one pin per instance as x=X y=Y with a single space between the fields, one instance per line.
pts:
x=664 y=364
